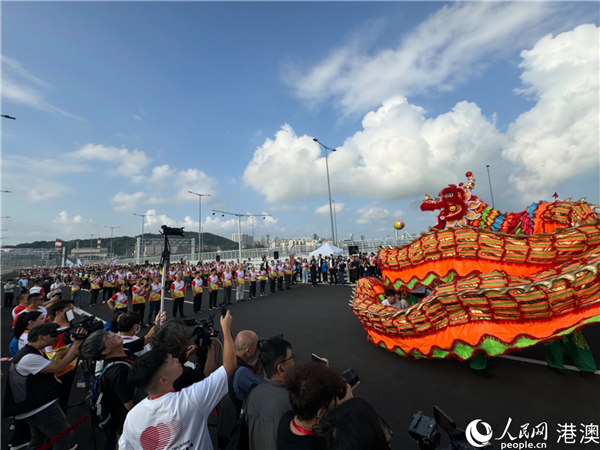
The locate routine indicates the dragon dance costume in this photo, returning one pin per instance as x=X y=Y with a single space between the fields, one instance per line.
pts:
x=501 y=282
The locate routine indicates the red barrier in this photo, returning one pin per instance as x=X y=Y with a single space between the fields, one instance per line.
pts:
x=62 y=434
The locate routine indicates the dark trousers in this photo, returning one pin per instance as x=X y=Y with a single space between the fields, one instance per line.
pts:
x=341 y=277
x=94 y=298
x=279 y=283
x=178 y=304
x=139 y=308
x=106 y=292
x=8 y=299
x=253 y=289
x=46 y=424
x=198 y=302
x=332 y=276
x=272 y=285
x=288 y=281
x=319 y=275
x=262 y=286
x=227 y=294
x=65 y=388
x=153 y=310
x=22 y=433
x=313 y=278
x=212 y=299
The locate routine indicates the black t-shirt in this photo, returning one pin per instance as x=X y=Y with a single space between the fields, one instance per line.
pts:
x=117 y=391
x=286 y=440
x=188 y=377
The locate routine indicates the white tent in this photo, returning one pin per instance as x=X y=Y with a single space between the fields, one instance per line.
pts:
x=327 y=250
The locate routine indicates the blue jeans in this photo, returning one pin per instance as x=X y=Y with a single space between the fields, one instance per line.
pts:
x=305 y=276
x=77 y=298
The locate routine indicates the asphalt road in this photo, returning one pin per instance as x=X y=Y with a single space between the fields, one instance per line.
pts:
x=318 y=320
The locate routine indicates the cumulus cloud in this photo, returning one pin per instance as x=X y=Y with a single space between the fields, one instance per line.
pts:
x=324 y=210
x=443 y=51
x=557 y=139
x=375 y=214
x=398 y=154
x=127 y=202
x=130 y=163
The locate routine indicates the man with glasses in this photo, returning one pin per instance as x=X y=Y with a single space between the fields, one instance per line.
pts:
x=269 y=401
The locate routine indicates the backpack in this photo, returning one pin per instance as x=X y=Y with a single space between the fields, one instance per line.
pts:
x=94 y=398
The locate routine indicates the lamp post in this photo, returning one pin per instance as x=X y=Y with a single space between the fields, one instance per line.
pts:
x=143 y=216
x=490 y=181
x=252 y=218
x=335 y=220
x=91 y=242
x=239 y=216
x=328 y=186
x=199 y=221
x=111 y=239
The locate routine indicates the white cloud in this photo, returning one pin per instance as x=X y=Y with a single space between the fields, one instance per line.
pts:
x=286 y=208
x=162 y=174
x=441 y=52
x=15 y=90
x=399 y=154
x=137 y=117
x=561 y=74
x=127 y=202
x=376 y=214
x=196 y=181
x=324 y=210
x=158 y=219
x=129 y=163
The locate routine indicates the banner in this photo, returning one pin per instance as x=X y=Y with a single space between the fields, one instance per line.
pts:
x=113 y=263
x=132 y=261
x=99 y=242
x=69 y=263
x=57 y=244
x=184 y=260
x=79 y=264
x=292 y=251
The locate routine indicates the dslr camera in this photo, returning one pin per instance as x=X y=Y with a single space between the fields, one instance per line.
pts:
x=425 y=431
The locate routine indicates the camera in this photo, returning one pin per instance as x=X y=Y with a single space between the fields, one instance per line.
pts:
x=204 y=331
x=425 y=431
x=89 y=324
x=350 y=376
x=170 y=231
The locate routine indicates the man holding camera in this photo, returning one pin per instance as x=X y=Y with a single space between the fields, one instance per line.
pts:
x=32 y=389
x=178 y=418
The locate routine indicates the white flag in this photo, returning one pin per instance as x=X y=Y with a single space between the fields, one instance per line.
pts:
x=113 y=262
x=79 y=262
x=69 y=263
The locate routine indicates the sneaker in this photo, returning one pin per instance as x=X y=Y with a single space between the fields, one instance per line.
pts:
x=81 y=383
x=73 y=447
x=18 y=446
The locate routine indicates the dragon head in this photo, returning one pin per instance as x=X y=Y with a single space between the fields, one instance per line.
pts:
x=456 y=203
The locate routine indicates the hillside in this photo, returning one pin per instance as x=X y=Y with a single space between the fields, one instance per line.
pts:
x=123 y=245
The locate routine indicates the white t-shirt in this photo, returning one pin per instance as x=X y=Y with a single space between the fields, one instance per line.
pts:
x=30 y=365
x=176 y=420
x=402 y=304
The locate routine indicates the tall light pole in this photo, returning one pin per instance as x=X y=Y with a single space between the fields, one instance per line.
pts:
x=111 y=239
x=328 y=187
x=239 y=216
x=91 y=242
x=143 y=216
x=199 y=221
x=490 y=181
x=335 y=220
x=252 y=218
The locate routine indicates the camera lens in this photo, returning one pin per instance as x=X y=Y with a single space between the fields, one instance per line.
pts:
x=350 y=376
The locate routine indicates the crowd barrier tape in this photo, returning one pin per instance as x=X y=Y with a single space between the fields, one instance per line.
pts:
x=63 y=433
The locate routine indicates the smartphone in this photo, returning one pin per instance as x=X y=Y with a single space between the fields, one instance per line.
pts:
x=315 y=358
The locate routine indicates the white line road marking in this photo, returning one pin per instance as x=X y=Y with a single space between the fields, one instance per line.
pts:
x=539 y=362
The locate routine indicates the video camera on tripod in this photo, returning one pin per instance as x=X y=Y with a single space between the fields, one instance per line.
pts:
x=204 y=329
x=89 y=324
x=425 y=431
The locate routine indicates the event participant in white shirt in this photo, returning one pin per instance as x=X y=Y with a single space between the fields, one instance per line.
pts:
x=181 y=416
x=394 y=300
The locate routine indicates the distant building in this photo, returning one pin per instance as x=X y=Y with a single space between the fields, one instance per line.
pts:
x=247 y=240
x=276 y=240
x=362 y=237
x=351 y=236
x=315 y=237
x=88 y=252
x=264 y=240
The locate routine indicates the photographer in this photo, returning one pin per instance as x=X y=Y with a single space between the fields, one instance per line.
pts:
x=32 y=390
x=352 y=425
x=175 y=337
x=313 y=389
x=240 y=384
x=118 y=358
x=186 y=411
x=267 y=402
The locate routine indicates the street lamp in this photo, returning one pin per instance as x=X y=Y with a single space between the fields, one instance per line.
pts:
x=335 y=219
x=143 y=216
x=91 y=241
x=490 y=181
x=239 y=216
x=111 y=239
x=8 y=117
x=328 y=186
x=199 y=221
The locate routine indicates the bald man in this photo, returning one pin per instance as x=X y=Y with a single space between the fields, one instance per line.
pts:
x=240 y=384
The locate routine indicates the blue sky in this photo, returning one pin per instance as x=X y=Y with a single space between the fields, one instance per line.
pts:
x=124 y=107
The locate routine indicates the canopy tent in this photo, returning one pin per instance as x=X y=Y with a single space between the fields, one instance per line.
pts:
x=327 y=250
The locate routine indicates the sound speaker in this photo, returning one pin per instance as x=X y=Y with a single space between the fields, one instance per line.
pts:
x=218 y=258
x=276 y=255
x=353 y=249
x=147 y=263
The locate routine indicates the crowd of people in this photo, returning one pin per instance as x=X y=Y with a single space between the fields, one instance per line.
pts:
x=161 y=381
